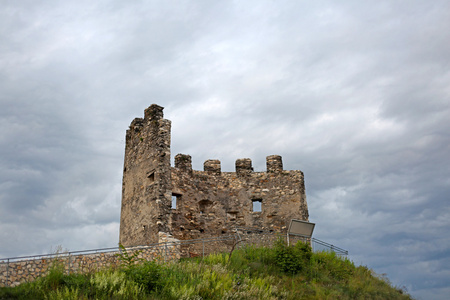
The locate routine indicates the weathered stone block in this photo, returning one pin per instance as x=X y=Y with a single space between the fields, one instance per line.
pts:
x=244 y=166
x=274 y=163
x=212 y=166
x=183 y=162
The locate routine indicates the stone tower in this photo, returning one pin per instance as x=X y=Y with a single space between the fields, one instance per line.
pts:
x=193 y=204
x=146 y=192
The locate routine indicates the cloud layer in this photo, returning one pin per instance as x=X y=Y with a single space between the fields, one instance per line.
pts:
x=355 y=94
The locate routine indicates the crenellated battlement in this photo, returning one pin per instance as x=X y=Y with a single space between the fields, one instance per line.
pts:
x=243 y=166
x=190 y=204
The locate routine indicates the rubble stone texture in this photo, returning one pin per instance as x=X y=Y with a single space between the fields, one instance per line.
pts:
x=16 y=272
x=208 y=203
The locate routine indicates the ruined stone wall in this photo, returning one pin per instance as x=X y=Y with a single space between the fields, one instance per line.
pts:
x=209 y=203
x=212 y=203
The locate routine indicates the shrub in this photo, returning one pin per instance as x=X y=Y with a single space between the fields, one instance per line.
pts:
x=113 y=285
x=128 y=259
x=292 y=259
x=147 y=275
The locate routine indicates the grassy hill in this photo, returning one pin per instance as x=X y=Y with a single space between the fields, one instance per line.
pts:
x=280 y=272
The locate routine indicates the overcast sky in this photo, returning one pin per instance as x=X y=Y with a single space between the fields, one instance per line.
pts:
x=356 y=94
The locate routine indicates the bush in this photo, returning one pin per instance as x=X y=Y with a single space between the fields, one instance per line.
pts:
x=147 y=275
x=126 y=259
x=292 y=259
x=54 y=278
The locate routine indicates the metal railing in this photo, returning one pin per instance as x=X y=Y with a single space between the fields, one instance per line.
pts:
x=318 y=245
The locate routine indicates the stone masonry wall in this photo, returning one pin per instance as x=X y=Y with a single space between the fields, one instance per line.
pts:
x=212 y=203
x=209 y=203
x=15 y=272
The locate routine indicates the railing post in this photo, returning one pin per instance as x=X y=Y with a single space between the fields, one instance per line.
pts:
x=165 y=251
x=168 y=253
x=7 y=273
x=69 y=263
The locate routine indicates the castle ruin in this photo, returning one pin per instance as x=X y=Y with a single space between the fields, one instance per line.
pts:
x=188 y=204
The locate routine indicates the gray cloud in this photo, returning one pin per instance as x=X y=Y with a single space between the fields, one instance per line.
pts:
x=353 y=94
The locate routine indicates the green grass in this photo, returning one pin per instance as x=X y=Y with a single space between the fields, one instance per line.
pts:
x=280 y=272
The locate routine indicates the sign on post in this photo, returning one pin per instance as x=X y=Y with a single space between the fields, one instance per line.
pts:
x=300 y=228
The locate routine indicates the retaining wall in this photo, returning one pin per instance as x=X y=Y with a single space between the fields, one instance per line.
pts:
x=15 y=271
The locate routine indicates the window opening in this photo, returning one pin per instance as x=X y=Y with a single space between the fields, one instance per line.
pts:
x=175 y=200
x=151 y=176
x=257 y=205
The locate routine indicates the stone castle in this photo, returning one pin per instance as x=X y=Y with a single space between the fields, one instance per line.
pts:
x=188 y=204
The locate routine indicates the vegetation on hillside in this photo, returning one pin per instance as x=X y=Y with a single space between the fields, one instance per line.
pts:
x=280 y=272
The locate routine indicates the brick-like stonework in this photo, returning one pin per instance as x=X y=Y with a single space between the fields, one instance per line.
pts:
x=13 y=273
x=209 y=203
